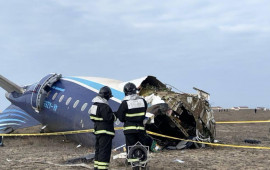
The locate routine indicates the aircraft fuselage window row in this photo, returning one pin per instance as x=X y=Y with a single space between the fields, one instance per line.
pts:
x=84 y=106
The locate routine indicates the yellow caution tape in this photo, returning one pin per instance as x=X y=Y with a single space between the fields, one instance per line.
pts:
x=57 y=133
x=52 y=134
x=149 y=132
x=258 y=121
x=212 y=144
x=116 y=128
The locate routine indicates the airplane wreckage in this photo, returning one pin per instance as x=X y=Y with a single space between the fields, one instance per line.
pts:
x=63 y=103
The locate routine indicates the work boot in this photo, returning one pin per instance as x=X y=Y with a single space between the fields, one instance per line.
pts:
x=136 y=168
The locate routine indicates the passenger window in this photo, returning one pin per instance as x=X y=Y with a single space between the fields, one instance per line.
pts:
x=68 y=100
x=54 y=96
x=76 y=103
x=61 y=98
x=84 y=106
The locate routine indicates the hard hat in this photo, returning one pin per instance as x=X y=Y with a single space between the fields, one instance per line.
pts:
x=129 y=89
x=105 y=92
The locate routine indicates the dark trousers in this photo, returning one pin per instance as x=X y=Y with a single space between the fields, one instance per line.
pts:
x=141 y=136
x=103 y=151
x=1 y=140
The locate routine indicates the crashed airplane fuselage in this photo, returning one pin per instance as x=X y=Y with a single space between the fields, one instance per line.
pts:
x=63 y=104
x=192 y=117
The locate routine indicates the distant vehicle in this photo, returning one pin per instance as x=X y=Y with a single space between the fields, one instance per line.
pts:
x=63 y=104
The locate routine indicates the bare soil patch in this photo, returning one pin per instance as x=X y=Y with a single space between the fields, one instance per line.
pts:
x=51 y=152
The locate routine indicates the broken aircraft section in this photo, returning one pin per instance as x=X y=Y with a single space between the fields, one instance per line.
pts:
x=191 y=118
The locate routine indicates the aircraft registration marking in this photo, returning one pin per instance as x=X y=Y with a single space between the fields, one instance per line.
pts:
x=50 y=105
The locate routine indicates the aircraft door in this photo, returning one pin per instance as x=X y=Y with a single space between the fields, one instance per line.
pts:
x=42 y=89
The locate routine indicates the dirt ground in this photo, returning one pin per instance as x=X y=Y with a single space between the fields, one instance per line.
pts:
x=52 y=152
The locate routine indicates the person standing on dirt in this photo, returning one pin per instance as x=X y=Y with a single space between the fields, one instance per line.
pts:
x=132 y=112
x=103 y=117
x=1 y=141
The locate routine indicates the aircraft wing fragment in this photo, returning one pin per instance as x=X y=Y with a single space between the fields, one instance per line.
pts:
x=9 y=86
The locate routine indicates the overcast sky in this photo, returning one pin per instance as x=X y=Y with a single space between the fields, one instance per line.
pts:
x=221 y=47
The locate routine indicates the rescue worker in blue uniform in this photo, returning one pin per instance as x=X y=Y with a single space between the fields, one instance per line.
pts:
x=1 y=141
x=132 y=112
x=103 y=117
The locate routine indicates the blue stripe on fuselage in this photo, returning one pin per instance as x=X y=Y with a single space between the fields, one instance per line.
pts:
x=10 y=120
x=14 y=110
x=117 y=94
x=58 y=88
x=12 y=115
